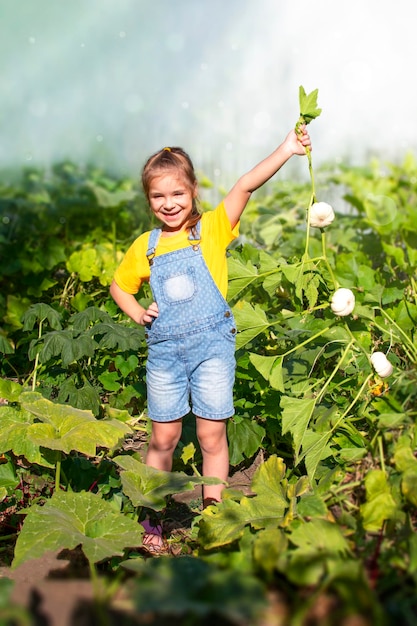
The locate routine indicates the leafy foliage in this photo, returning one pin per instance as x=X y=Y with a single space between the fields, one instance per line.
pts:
x=84 y=519
x=333 y=506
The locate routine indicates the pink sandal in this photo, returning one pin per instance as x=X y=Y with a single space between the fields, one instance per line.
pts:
x=152 y=540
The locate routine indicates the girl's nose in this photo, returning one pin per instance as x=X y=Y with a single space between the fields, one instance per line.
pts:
x=169 y=203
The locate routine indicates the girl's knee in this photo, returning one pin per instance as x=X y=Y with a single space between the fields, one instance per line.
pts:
x=165 y=436
x=212 y=441
x=163 y=444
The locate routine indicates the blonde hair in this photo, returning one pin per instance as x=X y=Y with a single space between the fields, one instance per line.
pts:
x=173 y=158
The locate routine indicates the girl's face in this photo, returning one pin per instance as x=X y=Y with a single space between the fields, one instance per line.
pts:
x=171 y=200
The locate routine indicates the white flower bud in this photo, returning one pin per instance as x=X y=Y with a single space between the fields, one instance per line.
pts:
x=381 y=364
x=342 y=302
x=321 y=214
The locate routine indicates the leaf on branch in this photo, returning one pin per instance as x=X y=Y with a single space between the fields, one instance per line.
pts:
x=296 y=415
x=66 y=428
x=91 y=315
x=245 y=438
x=308 y=105
x=149 y=487
x=240 y=276
x=6 y=345
x=14 y=436
x=269 y=480
x=315 y=448
x=70 y=519
x=67 y=344
x=10 y=390
x=271 y=369
x=116 y=336
x=251 y=322
x=39 y=312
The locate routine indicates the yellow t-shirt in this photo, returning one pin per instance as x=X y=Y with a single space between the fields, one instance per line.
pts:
x=216 y=234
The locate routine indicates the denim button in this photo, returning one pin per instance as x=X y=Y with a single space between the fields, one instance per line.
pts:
x=146 y=336
x=227 y=314
x=233 y=331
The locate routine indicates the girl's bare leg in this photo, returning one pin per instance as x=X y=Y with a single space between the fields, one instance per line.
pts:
x=163 y=441
x=214 y=448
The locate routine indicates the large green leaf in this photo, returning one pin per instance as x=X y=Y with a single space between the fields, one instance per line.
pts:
x=68 y=520
x=8 y=477
x=85 y=263
x=10 y=390
x=268 y=547
x=308 y=104
x=271 y=369
x=67 y=344
x=14 y=437
x=240 y=276
x=6 y=346
x=245 y=438
x=66 y=428
x=84 y=397
x=296 y=415
x=315 y=448
x=149 y=487
x=225 y=523
x=380 y=504
x=116 y=336
x=319 y=535
x=91 y=315
x=269 y=480
x=39 y=312
x=251 y=322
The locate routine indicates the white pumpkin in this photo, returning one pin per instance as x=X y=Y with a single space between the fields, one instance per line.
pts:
x=342 y=302
x=321 y=214
x=381 y=364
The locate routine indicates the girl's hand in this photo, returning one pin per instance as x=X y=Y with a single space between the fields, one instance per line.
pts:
x=298 y=143
x=149 y=314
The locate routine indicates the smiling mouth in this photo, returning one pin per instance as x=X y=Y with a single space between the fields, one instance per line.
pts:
x=171 y=214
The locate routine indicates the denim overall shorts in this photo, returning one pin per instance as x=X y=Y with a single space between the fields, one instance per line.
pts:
x=191 y=344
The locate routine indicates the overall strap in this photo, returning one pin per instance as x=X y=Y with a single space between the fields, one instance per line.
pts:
x=195 y=235
x=194 y=238
x=153 y=242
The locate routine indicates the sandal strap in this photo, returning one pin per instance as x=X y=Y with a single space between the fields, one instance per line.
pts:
x=151 y=529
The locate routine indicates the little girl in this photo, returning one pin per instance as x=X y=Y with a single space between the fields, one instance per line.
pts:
x=190 y=330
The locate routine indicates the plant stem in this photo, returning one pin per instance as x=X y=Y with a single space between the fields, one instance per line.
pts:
x=345 y=487
x=381 y=453
x=326 y=260
x=404 y=335
x=35 y=368
x=65 y=292
x=303 y=343
x=333 y=374
x=355 y=399
x=312 y=200
x=58 y=471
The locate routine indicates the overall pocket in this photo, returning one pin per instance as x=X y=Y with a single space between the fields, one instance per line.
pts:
x=178 y=288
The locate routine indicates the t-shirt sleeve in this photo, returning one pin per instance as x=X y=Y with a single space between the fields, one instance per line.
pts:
x=220 y=226
x=134 y=268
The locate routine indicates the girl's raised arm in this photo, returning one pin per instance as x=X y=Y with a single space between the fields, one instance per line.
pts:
x=237 y=198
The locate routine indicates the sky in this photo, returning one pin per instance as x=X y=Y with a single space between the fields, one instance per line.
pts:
x=112 y=81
